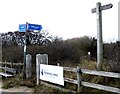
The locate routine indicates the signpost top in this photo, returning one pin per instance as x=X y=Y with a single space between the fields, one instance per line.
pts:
x=104 y=7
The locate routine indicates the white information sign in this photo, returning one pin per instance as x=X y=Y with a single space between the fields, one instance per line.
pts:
x=52 y=74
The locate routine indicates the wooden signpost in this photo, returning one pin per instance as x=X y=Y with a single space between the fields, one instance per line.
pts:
x=98 y=10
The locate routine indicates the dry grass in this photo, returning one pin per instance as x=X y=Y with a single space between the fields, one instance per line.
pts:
x=12 y=82
x=85 y=64
x=44 y=89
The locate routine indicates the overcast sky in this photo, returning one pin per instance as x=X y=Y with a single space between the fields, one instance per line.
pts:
x=63 y=18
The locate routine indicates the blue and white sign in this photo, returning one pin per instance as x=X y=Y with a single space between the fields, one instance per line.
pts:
x=22 y=28
x=34 y=27
x=52 y=74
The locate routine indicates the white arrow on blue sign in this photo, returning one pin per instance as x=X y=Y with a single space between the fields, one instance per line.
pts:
x=34 y=27
x=22 y=28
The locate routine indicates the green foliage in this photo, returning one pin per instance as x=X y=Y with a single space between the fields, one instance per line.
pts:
x=73 y=50
x=12 y=54
x=58 y=50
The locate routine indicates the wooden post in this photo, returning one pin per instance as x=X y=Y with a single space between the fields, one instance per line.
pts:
x=45 y=59
x=99 y=37
x=5 y=68
x=38 y=61
x=118 y=42
x=119 y=21
x=28 y=66
x=79 y=79
x=0 y=48
x=58 y=64
x=118 y=51
x=11 y=64
x=98 y=11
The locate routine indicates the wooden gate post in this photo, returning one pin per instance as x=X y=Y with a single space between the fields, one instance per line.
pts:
x=79 y=79
x=38 y=61
x=44 y=59
x=28 y=66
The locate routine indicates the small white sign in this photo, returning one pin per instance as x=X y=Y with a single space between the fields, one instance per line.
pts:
x=52 y=74
x=25 y=48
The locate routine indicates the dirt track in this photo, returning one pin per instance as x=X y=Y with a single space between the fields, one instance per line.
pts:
x=16 y=89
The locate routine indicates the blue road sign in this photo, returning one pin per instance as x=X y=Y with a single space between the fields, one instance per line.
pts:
x=22 y=28
x=34 y=27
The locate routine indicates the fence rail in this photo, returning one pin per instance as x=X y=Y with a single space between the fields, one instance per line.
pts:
x=71 y=80
x=101 y=73
x=70 y=69
x=81 y=83
x=92 y=85
x=17 y=66
x=10 y=63
x=101 y=87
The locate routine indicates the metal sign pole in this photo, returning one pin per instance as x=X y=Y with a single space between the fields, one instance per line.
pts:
x=25 y=49
x=23 y=28
x=24 y=59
